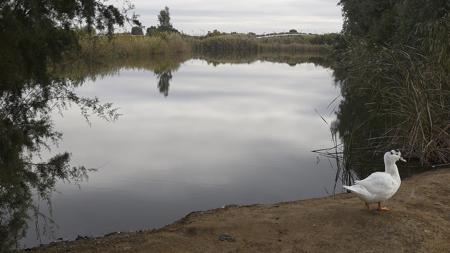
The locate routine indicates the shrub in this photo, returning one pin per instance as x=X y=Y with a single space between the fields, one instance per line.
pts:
x=136 y=30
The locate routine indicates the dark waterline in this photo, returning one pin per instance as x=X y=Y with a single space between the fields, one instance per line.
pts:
x=230 y=134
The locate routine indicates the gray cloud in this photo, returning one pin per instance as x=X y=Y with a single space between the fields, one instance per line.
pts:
x=200 y=16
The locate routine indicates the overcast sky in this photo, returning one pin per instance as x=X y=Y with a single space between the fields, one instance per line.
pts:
x=260 y=16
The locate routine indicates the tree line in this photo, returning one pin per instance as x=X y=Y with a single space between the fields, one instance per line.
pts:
x=164 y=25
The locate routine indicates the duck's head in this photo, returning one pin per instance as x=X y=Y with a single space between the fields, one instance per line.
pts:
x=393 y=156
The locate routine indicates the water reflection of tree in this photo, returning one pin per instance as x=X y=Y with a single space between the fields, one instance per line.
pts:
x=82 y=68
x=163 y=66
x=249 y=57
x=26 y=128
x=164 y=82
x=35 y=37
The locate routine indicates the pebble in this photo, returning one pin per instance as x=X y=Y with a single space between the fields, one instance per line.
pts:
x=80 y=237
x=225 y=237
x=110 y=234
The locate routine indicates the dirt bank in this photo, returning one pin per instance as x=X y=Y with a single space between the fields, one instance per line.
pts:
x=419 y=221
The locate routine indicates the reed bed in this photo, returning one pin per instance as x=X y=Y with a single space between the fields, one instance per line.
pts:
x=395 y=80
x=123 y=46
x=397 y=98
x=226 y=44
x=313 y=39
x=394 y=97
x=128 y=46
x=102 y=55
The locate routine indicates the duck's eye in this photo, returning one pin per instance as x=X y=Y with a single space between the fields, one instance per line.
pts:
x=392 y=152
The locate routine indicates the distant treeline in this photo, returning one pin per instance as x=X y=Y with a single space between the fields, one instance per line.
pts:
x=232 y=43
x=98 y=48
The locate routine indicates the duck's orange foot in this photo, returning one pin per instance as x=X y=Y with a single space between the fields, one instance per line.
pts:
x=383 y=209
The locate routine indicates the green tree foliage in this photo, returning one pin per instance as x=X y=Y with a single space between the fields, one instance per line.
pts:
x=164 y=21
x=164 y=26
x=151 y=31
x=36 y=33
x=136 y=30
x=35 y=36
x=215 y=32
x=325 y=39
x=164 y=82
x=394 y=70
x=392 y=22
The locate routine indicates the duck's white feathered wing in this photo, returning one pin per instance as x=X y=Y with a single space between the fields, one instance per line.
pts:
x=358 y=189
x=379 y=185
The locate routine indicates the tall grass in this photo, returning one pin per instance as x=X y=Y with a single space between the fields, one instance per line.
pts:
x=103 y=48
x=226 y=44
x=102 y=55
x=394 y=96
x=313 y=39
x=128 y=46
x=394 y=70
x=399 y=96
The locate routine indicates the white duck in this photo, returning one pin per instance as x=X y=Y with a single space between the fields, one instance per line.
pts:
x=379 y=186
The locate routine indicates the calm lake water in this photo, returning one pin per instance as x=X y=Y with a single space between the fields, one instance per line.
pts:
x=225 y=134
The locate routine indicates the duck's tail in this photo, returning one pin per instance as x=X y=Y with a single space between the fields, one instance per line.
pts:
x=358 y=189
x=348 y=187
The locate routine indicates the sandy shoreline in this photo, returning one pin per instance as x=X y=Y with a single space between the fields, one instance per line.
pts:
x=419 y=221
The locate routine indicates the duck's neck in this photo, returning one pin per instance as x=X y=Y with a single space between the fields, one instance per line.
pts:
x=392 y=169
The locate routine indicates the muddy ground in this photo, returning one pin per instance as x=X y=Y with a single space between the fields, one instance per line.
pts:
x=419 y=221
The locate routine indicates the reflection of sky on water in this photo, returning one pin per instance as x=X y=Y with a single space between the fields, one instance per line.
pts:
x=228 y=134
